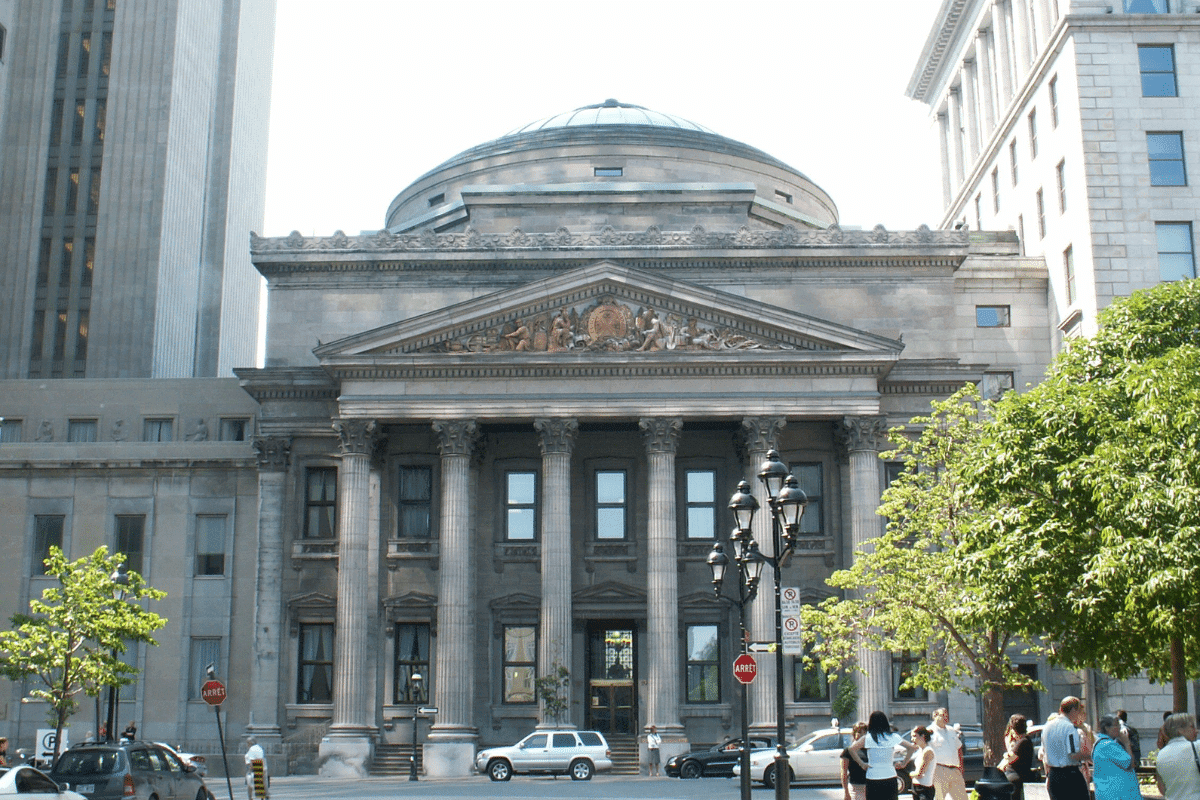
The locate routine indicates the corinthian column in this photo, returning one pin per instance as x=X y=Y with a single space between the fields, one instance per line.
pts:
x=452 y=737
x=662 y=581
x=554 y=645
x=272 y=453
x=348 y=746
x=863 y=438
x=761 y=434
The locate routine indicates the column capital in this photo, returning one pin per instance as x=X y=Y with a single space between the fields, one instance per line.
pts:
x=862 y=433
x=557 y=434
x=356 y=436
x=760 y=434
x=456 y=437
x=661 y=434
x=272 y=452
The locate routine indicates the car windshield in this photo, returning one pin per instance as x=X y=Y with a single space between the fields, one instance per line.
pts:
x=88 y=762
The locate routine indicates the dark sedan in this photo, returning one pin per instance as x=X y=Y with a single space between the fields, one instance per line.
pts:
x=715 y=762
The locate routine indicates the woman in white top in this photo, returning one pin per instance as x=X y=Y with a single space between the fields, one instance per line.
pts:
x=922 y=773
x=879 y=744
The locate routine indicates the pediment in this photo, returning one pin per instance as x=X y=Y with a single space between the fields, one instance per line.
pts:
x=607 y=308
x=609 y=593
x=311 y=601
x=411 y=600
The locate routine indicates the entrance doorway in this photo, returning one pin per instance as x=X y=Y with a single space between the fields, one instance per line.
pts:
x=612 y=678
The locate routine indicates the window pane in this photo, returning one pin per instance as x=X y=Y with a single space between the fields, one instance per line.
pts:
x=47 y=533
x=204 y=652
x=701 y=486
x=703 y=669
x=521 y=488
x=991 y=316
x=321 y=512
x=703 y=683
x=210 y=544
x=610 y=487
x=416 y=491
x=811 y=521
x=520 y=643
x=1164 y=145
x=701 y=524
x=130 y=541
x=520 y=655
x=1156 y=58
x=520 y=523
x=1145 y=6
x=1158 y=84
x=233 y=430
x=518 y=684
x=702 y=642
x=1174 y=237
x=412 y=658
x=610 y=523
x=316 y=664
x=81 y=430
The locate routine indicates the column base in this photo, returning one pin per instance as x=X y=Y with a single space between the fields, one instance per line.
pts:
x=449 y=755
x=344 y=755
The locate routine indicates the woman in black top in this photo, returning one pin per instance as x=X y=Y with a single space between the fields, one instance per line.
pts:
x=854 y=777
x=1018 y=761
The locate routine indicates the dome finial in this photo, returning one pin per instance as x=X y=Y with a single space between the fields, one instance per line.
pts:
x=611 y=103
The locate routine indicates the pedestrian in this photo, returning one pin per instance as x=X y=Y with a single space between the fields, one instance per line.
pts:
x=653 y=743
x=854 y=777
x=254 y=753
x=1113 y=769
x=1065 y=752
x=130 y=732
x=1017 y=763
x=1135 y=740
x=874 y=752
x=923 y=766
x=3 y=751
x=948 y=751
x=1177 y=772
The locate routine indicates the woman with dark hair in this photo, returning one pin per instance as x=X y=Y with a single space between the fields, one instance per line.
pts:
x=854 y=777
x=923 y=765
x=879 y=745
x=1017 y=763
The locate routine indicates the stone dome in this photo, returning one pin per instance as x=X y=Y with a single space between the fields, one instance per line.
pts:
x=610 y=164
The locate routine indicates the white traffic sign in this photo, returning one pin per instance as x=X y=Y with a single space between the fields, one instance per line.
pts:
x=762 y=647
x=427 y=710
x=789 y=606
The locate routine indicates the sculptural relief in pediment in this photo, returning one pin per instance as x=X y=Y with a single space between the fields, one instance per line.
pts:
x=606 y=325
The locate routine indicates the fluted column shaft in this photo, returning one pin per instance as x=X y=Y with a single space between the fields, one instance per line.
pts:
x=662 y=574
x=970 y=110
x=863 y=437
x=454 y=672
x=1004 y=59
x=1022 y=39
x=954 y=101
x=272 y=455
x=353 y=697
x=761 y=434
x=947 y=169
x=557 y=439
x=986 y=83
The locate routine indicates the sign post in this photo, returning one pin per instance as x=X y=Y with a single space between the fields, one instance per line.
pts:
x=745 y=668
x=213 y=692
x=789 y=607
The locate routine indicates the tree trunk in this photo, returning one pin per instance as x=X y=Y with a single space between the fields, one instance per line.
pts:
x=993 y=723
x=1178 y=676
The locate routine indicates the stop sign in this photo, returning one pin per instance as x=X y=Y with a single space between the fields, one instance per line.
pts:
x=213 y=692
x=745 y=668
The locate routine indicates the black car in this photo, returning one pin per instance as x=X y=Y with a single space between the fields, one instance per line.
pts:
x=715 y=762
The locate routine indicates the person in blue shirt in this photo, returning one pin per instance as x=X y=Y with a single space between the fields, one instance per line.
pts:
x=1113 y=769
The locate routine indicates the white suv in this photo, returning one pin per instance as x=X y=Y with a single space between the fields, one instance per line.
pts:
x=574 y=753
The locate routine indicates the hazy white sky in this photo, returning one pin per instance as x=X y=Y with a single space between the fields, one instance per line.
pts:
x=370 y=94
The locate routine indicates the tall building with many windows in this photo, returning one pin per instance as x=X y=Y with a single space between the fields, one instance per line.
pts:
x=132 y=169
x=1071 y=122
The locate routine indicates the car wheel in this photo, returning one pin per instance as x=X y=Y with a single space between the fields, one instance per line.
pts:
x=690 y=770
x=499 y=770
x=581 y=770
x=769 y=776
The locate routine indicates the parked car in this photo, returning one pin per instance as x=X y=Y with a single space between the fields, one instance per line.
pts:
x=714 y=762
x=199 y=762
x=575 y=753
x=122 y=770
x=25 y=780
x=815 y=759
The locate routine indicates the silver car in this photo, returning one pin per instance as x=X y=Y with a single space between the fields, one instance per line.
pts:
x=575 y=753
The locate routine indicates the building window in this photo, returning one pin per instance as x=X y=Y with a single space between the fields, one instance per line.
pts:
x=3 y=35
x=520 y=663
x=415 y=503
x=1060 y=176
x=521 y=506
x=320 y=503
x=47 y=533
x=1145 y=6
x=210 y=544
x=1012 y=160
x=809 y=681
x=1176 y=257
x=701 y=487
x=992 y=316
x=1069 y=273
x=234 y=430
x=809 y=477
x=1041 y=214
x=610 y=504
x=204 y=653
x=996 y=190
x=904 y=666
x=412 y=657
x=703 y=664
x=81 y=430
x=1054 y=102
x=995 y=384
x=157 y=430
x=1156 y=62
x=608 y=172
x=1033 y=143
x=1165 y=151
x=315 y=674
x=10 y=431
x=131 y=541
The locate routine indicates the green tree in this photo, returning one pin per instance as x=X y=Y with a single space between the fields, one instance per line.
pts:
x=552 y=691
x=1093 y=478
x=906 y=589
x=68 y=640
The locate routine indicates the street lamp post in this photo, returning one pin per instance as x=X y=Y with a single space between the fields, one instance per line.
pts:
x=120 y=579
x=414 y=681
x=787 y=503
x=718 y=562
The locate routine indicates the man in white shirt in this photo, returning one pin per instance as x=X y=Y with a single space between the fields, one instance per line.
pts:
x=1065 y=749
x=947 y=755
x=1178 y=768
x=254 y=752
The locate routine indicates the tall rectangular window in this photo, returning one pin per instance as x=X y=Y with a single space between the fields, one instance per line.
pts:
x=1165 y=151
x=415 y=503
x=520 y=663
x=1069 y=274
x=1041 y=214
x=904 y=666
x=1146 y=6
x=610 y=504
x=320 y=503
x=314 y=678
x=1053 y=86
x=810 y=479
x=995 y=190
x=520 y=506
x=412 y=658
x=1176 y=255
x=47 y=533
x=1156 y=62
x=1012 y=160
x=204 y=652
x=809 y=681
x=701 y=487
x=158 y=430
x=703 y=664
x=1033 y=142
x=1061 y=177
x=81 y=430
x=131 y=540
x=210 y=544
x=10 y=431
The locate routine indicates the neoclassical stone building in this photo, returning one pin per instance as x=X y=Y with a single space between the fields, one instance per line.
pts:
x=499 y=435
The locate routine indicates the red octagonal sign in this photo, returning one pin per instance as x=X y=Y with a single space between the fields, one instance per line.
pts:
x=213 y=692
x=745 y=668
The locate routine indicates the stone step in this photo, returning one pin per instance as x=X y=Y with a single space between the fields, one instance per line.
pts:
x=393 y=759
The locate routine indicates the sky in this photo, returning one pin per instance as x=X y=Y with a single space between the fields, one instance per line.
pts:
x=368 y=95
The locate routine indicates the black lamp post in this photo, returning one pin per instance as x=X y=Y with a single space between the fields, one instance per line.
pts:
x=718 y=562
x=120 y=579
x=787 y=503
x=414 y=682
